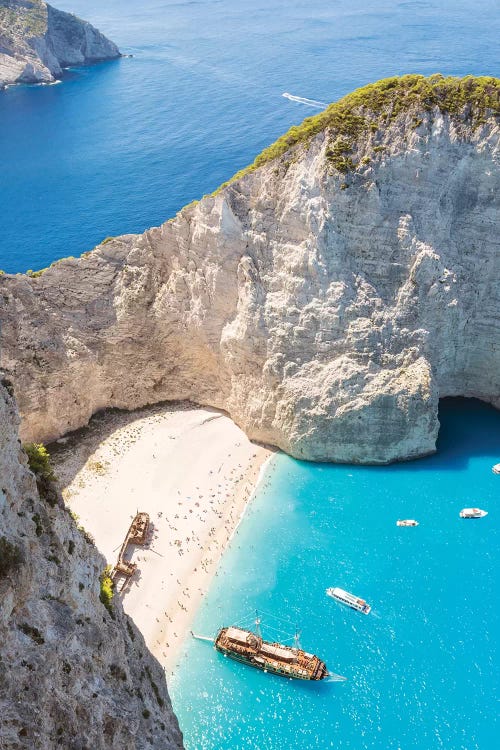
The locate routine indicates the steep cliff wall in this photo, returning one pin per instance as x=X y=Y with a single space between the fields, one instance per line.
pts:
x=326 y=299
x=71 y=675
x=37 y=41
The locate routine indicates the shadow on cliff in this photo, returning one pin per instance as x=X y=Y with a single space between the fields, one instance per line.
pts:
x=468 y=428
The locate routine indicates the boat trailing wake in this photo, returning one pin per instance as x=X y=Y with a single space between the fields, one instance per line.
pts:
x=303 y=100
x=202 y=637
x=335 y=678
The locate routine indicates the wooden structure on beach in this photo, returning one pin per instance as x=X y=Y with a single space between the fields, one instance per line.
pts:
x=137 y=534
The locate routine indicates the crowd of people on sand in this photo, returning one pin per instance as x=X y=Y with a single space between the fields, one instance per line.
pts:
x=196 y=522
x=175 y=520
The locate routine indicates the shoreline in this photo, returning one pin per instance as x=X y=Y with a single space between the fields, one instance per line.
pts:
x=222 y=538
x=194 y=471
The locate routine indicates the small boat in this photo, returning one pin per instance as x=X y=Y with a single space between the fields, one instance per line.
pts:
x=344 y=597
x=250 y=648
x=407 y=522
x=496 y=469
x=473 y=513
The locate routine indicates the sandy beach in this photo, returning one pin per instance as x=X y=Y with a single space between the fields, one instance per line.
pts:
x=193 y=471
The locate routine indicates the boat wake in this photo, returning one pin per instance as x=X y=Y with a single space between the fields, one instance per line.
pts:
x=303 y=100
x=202 y=637
x=335 y=678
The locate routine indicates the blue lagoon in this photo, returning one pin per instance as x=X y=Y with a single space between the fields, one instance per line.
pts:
x=422 y=667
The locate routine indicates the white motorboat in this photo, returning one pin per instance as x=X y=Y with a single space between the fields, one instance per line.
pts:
x=407 y=522
x=344 y=597
x=496 y=469
x=473 y=513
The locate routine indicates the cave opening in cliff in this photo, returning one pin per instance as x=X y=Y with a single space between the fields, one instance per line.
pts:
x=468 y=427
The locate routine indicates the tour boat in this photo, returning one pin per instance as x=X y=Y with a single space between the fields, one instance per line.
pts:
x=496 y=469
x=473 y=513
x=407 y=522
x=250 y=648
x=352 y=601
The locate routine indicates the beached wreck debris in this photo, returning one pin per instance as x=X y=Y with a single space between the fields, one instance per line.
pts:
x=124 y=568
x=137 y=534
x=139 y=529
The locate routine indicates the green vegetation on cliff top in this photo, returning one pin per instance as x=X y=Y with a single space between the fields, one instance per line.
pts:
x=378 y=104
x=26 y=20
x=371 y=107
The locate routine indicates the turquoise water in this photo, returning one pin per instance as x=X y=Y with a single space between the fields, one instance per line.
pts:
x=122 y=146
x=422 y=668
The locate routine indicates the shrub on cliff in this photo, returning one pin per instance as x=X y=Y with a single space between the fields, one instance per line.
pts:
x=39 y=463
x=107 y=586
x=366 y=109
x=39 y=460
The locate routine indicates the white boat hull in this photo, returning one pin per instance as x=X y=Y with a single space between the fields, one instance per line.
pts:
x=354 y=602
x=473 y=513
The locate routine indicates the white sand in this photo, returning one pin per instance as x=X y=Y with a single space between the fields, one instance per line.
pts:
x=193 y=470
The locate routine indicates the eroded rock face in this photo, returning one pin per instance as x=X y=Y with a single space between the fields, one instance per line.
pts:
x=37 y=42
x=71 y=676
x=326 y=312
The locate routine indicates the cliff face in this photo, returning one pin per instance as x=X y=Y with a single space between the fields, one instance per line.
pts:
x=71 y=675
x=326 y=300
x=37 y=41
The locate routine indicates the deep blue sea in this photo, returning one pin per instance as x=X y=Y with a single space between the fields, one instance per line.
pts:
x=121 y=146
x=422 y=668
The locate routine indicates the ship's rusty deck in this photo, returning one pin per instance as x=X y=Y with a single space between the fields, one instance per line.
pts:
x=137 y=534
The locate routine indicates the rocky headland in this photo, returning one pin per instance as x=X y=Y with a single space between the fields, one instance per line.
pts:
x=326 y=298
x=37 y=41
x=74 y=673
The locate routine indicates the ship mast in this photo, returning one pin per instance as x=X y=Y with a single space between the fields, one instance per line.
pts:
x=296 y=639
x=257 y=625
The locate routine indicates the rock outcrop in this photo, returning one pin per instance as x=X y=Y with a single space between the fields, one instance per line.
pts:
x=327 y=298
x=72 y=674
x=37 y=42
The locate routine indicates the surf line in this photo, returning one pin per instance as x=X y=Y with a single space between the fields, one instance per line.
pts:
x=303 y=100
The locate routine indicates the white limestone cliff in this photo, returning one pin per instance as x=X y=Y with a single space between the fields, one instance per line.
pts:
x=71 y=675
x=327 y=311
x=37 y=41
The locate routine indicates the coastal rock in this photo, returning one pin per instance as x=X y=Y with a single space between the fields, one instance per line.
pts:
x=37 y=42
x=72 y=674
x=326 y=299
